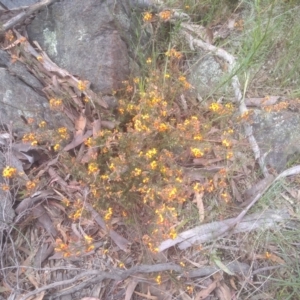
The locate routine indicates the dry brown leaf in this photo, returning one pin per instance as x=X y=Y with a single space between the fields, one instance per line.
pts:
x=232 y=283
x=39 y=297
x=206 y=292
x=108 y=124
x=41 y=214
x=80 y=124
x=184 y=295
x=121 y=242
x=43 y=253
x=62 y=231
x=15 y=43
x=270 y=256
x=77 y=140
x=96 y=127
x=130 y=289
x=34 y=199
x=223 y=291
x=259 y=102
x=198 y=199
x=146 y=296
x=32 y=279
x=236 y=194
x=206 y=162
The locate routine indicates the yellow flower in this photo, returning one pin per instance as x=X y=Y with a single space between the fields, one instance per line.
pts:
x=229 y=155
x=198 y=188
x=226 y=143
x=104 y=177
x=173 y=53
x=92 y=168
x=82 y=85
x=88 y=239
x=153 y=165
x=147 y=17
x=173 y=233
x=162 y=127
x=215 y=107
x=63 y=132
x=136 y=172
x=198 y=137
x=268 y=254
x=56 y=147
x=172 y=192
x=88 y=142
x=158 y=279
x=55 y=103
x=149 y=60
x=108 y=214
x=165 y=15
x=150 y=153
x=112 y=167
x=9 y=172
x=42 y=124
x=197 y=152
x=30 y=137
x=30 y=185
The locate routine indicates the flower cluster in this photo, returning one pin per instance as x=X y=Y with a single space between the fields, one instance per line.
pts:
x=9 y=172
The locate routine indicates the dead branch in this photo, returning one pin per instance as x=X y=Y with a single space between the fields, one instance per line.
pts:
x=119 y=275
x=25 y=14
x=212 y=231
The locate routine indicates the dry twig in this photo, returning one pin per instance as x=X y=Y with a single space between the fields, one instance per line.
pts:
x=19 y=18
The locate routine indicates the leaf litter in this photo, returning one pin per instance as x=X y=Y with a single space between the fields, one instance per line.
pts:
x=63 y=82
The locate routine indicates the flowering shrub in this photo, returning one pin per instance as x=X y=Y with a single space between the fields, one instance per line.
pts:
x=141 y=163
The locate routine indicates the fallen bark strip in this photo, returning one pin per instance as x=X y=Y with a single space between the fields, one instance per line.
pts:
x=208 y=232
x=120 y=274
x=212 y=231
x=120 y=241
x=19 y=18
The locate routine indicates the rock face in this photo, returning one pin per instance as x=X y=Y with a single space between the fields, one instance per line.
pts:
x=88 y=38
x=21 y=95
x=278 y=136
x=205 y=74
x=11 y=4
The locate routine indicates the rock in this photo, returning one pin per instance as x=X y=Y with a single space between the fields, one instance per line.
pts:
x=21 y=96
x=88 y=38
x=205 y=74
x=11 y=4
x=278 y=136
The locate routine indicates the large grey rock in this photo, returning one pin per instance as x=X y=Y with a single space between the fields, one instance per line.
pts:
x=21 y=95
x=278 y=136
x=88 y=38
